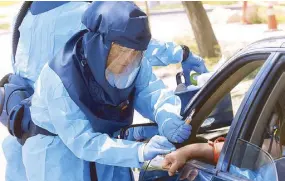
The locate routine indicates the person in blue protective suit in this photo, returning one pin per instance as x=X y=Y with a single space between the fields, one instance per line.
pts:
x=162 y=54
x=42 y=35
x=89 y=91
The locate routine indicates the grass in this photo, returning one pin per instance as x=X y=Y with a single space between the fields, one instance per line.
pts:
x=4 y=26
x=7 y=3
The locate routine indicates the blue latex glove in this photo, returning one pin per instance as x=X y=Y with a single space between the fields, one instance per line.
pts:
x=174 y=129
x=141 y=133
x=193 y=62
x=158 y=145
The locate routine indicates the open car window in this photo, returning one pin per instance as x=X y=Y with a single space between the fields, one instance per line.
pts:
x=217 y=112
x=222 y=105
x=258 y=154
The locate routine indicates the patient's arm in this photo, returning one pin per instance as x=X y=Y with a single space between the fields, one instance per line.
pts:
x=178 y=158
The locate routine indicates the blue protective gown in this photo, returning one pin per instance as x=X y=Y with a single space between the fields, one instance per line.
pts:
x=163 y=53
x=42 y=36
x=65 y=157
x=158 y=53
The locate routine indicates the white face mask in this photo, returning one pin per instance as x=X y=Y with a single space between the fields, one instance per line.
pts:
x=124 y=79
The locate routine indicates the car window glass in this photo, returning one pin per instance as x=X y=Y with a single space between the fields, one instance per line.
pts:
x=263 y=160
x=225 y=110
x=251 y=162
x=239 y=91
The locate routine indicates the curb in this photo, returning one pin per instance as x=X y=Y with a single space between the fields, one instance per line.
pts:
x=208 y=8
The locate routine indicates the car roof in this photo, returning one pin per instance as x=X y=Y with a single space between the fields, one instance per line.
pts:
x=272 y=42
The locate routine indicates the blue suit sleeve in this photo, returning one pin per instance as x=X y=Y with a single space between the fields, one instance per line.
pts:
x=162 y=54
x=152 y=99
x=142 y=133
x=77 y=134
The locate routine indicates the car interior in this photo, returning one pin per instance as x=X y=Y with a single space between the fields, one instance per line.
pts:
x=264 y=144
x=241 y=76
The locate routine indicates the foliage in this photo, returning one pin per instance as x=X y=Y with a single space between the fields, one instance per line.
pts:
x=4 y=26
x=8 y=3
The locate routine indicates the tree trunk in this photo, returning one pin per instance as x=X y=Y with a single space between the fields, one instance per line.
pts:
x=202 y=28
x=147 y=12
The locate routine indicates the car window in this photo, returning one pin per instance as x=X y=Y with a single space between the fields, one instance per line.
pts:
x=225 y=110
x=239 y=91
x=251 y=162
x=258 y=163
x=259 y=151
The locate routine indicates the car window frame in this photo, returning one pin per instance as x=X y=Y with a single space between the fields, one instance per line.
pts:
x=233 y=65
x=220 y=77
x=266 y=96
x=232 y=137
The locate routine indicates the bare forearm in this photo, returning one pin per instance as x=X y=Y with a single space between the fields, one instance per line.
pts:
x=199 y=150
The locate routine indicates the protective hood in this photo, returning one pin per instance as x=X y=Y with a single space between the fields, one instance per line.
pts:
x=126 y=25
x=82 y=62
x=38 y=7
x=119 y=22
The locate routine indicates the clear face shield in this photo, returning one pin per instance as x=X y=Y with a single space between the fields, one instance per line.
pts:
x=122 y=66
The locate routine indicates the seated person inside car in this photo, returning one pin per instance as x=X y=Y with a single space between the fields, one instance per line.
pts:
x=210 y=151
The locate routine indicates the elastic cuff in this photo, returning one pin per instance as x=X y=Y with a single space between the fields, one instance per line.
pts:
x=185 y=52
x=140 y=153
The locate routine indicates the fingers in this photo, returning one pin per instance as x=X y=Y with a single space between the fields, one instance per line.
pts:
x=163 y=143
x=185 y=173
x=184 y=134
x=188 y=173
x=166 y=164
x=177 y=139
x=162 y=151
x=174 y=167
x=198 y=69
x=193 y=175
x=186 y=127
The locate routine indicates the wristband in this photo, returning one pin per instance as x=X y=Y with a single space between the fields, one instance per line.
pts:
x=214 y=145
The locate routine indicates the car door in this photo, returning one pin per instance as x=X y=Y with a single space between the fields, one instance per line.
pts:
x=241 y=69
x=240 y=74
x=255 y=120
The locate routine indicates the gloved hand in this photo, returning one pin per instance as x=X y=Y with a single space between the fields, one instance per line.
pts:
x=175 y=129
x=142 y=133
x=158 y=145
x=193 y=62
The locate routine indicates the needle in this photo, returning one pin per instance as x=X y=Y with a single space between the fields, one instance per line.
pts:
x=189 y=118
